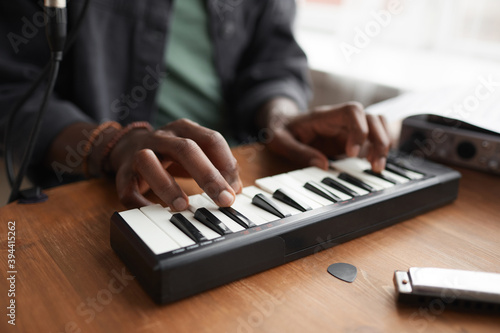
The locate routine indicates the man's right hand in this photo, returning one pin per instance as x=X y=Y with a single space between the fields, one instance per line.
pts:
x=144 y=160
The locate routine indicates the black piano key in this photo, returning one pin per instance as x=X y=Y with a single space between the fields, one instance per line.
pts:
x=291 y=200
x=320 y=190
x=398 y=170
x=356 y=182
x=339 y=187
x=237 y=217
x=210 y=220
x=181 y=222
x=261 y=201
x=381 y=176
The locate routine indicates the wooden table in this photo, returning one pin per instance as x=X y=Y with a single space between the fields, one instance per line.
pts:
x=69 y=279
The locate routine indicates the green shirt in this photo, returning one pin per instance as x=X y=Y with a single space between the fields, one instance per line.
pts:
x=192 y=88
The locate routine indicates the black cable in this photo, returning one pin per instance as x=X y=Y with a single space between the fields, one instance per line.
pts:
x=54 y=70
x=9 y=165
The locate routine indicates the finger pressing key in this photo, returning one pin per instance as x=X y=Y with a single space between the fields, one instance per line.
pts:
x=380 y=143
x=193 y=159
x=161 y=182
x=213 y=145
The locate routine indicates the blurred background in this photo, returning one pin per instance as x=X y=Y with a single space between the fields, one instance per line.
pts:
x=372 y=50
x=369 y=50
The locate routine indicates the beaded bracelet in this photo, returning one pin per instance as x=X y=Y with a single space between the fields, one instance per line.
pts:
x=118 y=136
x=87 y=149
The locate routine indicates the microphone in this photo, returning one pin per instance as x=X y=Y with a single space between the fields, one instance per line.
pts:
x=56 y=26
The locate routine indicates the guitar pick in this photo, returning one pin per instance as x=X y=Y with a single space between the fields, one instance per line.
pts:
x=343 y=271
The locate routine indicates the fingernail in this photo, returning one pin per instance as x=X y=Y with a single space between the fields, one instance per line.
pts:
x=355 y=150
x=225 y=198
x=319 y=163
x=180 y=204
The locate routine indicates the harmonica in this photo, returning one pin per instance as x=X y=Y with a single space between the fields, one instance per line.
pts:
x=439 y=288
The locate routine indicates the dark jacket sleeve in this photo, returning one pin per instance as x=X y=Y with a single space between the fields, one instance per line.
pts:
x=23 y=55
x=111 y=71
x=271 y=65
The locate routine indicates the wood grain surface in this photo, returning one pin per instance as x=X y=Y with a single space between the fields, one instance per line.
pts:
x=70 y=280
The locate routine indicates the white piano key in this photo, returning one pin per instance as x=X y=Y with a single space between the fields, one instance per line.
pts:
x=352 y=164
x=363 y=164
x=161 y=217
x=397 y=178
x=374 y=180
x=199 y=201
x=335 y=174
x=377 y=183
x=251 y=191
x=355 y=167
x=304 y=177
x=267 y=184
x=319 y=173
x=206 y=231
x=157 y=240
x=413 y=175
x=298 y=188
x=244 y=205
x=273 y=184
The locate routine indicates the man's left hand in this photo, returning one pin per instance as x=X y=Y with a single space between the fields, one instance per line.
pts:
x=326 y=131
